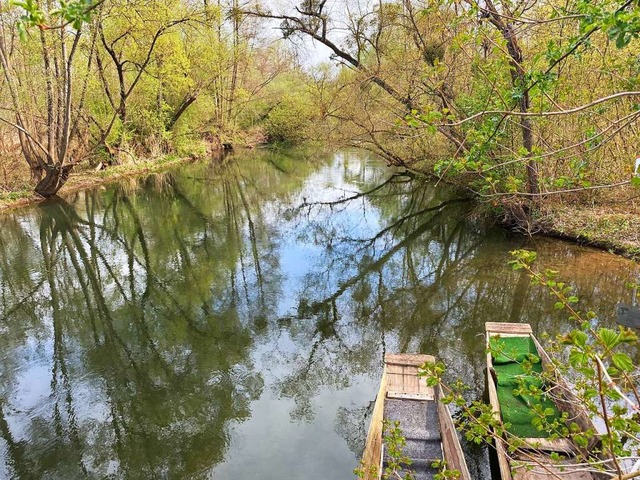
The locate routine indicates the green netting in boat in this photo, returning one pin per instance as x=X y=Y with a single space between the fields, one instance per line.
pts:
x=508 y=354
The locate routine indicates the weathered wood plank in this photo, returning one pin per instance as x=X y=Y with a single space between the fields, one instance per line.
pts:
x=429 y=395
x=394 y=368
x=407 y=359
x=562 y=445
x=395 y=382
x=402 y=376
x=451 y=449
x=503 y=462
x=372 y=455
x=411 y=380
x=538 y=467
x=508 y=328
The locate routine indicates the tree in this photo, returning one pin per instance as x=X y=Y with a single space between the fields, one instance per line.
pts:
x=129 y=37
x=493 y=78
x=46 y=138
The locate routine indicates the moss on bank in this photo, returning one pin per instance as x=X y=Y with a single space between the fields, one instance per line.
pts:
x=608 y=227
x=83 y=179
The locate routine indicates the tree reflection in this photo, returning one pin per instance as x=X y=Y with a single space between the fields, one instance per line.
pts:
x=133 y=318
x=425 y=279
x=143 y=300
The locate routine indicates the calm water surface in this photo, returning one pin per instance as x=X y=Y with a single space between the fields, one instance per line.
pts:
x=229 y=320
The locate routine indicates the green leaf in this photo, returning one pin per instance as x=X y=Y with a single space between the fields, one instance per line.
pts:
x=578 y=338
x=580 y=440
x=578 y=359
x=628 y=336
x=555 y=456
x=622 y=361
x=610 y=338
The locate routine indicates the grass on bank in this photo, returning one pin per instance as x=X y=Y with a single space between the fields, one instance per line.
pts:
x=87 y=177
x=613 y=227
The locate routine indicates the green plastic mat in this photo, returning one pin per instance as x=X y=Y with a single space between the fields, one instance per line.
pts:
x=517 y=410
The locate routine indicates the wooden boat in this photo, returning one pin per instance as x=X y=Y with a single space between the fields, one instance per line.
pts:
x=425 y=422
x=628 y=315
x=532 y=460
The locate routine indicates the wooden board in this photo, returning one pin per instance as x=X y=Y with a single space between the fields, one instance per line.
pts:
x=403 y=381
x=372 y=455
x=517 y=329
x=503 y=462
x=560 y=445
x=407 y=359
x=451 y=448
x=538 y=467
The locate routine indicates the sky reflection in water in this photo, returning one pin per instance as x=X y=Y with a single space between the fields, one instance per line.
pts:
x=228 y=319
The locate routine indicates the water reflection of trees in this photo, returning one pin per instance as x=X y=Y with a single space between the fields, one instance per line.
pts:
x=424 y=280
x=143 y=305
x=140 y=301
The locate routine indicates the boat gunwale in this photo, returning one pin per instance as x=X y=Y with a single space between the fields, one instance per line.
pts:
x=374 y=447
x=505 y=330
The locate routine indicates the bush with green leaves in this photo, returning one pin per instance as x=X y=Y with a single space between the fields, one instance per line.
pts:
x=598 y=364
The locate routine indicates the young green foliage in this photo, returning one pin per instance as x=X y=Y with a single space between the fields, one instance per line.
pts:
x=602 y=373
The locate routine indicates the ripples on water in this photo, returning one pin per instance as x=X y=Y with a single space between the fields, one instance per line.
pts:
x=228 y=320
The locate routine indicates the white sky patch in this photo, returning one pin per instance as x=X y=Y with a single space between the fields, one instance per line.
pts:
x=312 y=53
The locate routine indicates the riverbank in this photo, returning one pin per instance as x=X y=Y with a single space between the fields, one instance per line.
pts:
x=609 y=221
x=609 y=227
x=88 y=178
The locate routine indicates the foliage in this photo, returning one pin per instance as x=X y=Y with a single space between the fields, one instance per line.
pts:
x=140 y=79
x=74 y=13
x=397 y=463
x=602 y=376
x=394 y=442
x=289 y=120
x=525 y=104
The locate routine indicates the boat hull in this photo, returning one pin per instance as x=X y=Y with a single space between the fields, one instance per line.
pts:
x=533 y=462
x=430 y=432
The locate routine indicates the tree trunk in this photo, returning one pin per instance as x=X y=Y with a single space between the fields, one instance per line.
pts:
x=186 y=102
x=518 y=78
x=55 y=177
x=234 y=71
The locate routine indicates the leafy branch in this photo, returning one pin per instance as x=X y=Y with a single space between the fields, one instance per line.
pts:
x=602 y=375
x=73 y=13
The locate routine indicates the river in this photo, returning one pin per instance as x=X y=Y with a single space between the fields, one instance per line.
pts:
x=228 y=319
